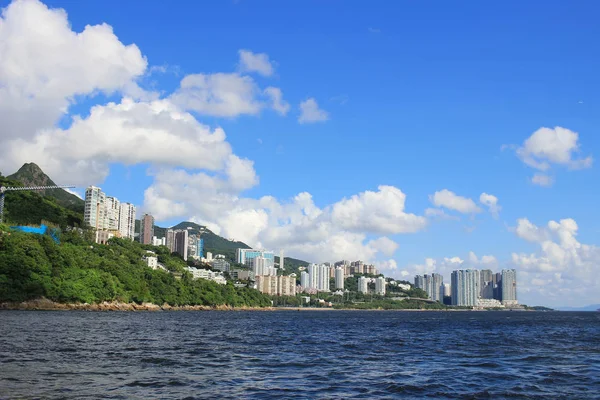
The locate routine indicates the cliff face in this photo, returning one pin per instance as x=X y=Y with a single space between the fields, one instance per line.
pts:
x=30 y=174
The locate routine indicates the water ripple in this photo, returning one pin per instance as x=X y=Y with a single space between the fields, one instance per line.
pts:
x=307 y=355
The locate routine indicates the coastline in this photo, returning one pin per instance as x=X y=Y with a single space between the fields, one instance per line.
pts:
x=44 y=304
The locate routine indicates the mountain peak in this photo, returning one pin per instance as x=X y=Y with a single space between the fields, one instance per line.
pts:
x=30 y=174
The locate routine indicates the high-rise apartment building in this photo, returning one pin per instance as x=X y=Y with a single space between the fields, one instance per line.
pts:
x=363 y=284
x=170 y=240
x=486 y=284
x=318 y=277
x=246 y=256
x=262 y=266
x=112 y=210
x=509 y=287
x=339 y=278
x=465 y=287
x=95 y=208
x=127 y=220
x=380 y=286
x=181 y=243
x=304 y=279
x=437 y=288
x=419 y=282
x=147 y=229
x=276 y=285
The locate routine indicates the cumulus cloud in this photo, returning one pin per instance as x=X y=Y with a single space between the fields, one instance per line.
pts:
x=227 y=95
x=277 y=102
x=549 y=147
x=44 y=65
x=447 y=199
x=542 y=180
x=385 y=245
x=159 y=132
x=310 y=112
x=484 y=261
x=255 y=62
x=380 y=212
x=563 y=270
x=491 y=202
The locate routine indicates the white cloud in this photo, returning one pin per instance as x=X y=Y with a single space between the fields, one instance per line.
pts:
x=385 y=245
x=485 y=261
x=439 y=214
x=491 y=202
x=219 y=95
x=563 y=271
x=255 y=62
x=159 y=132
x=277 y=102
x=379 y=212
x=310 y=112
x=548 y=146
x=447 y=199
x=387 y=267
x=542 y=180
x=227 y=95
x=44 y=65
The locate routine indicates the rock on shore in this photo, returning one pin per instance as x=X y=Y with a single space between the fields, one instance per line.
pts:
x=49 y=305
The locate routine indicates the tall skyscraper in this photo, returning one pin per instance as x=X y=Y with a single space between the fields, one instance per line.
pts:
x=304 y=279
x=127 y=220
x=437 y=288
x=246 y=256
x=486 y=284
x=419 y=282
x=261 y=266
x=465 y=287
x=363 y=284
x=181 y=243
x=170 y=240
x=380 y=285
x=95 y=208
x=112 y=210
x=339 y=278
x=509 y=287
x=147 y=230
x=497 y=278
x=318 y=277
x=281 y=260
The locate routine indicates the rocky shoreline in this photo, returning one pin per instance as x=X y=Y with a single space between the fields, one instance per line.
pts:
x=44 y=304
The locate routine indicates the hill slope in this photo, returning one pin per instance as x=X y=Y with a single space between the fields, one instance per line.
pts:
x=30 y=208
x=32 y=175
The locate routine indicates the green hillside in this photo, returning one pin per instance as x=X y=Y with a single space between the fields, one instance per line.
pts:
x=31 y=208
x=32 y=175
x=79 y=271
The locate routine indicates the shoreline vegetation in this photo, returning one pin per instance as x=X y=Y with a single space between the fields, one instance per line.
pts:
x=44 y=304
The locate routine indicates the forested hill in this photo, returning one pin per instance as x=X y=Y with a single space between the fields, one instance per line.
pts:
x=79 y=271
x=32 y=175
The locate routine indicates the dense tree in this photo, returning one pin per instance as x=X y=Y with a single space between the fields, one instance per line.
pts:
x=77 y=270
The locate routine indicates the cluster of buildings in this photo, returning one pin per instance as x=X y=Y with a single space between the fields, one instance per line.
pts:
x=108 y=216
x=262 y=270
x=317 y=277
x=472 y=287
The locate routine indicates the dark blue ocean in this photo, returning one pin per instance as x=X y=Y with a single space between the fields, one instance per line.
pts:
x=300 y=355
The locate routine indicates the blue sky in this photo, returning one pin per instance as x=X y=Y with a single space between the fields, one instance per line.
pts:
x=419 y=96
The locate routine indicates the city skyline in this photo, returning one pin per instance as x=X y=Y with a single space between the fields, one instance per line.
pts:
x=416 y=139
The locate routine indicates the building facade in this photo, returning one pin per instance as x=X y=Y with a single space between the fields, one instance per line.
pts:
x=181 y=243
x=95 y=208
x=127 y=220
x=380 y=286
x=363 y=284
x=339 y=278
x=146 y=229
x=246 y=256
x=509 y=287
x=465 y=287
